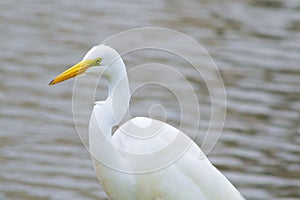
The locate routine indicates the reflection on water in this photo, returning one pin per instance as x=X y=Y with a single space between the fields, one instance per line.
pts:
x=255 y=43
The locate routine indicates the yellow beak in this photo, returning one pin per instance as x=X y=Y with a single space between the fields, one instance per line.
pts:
x=72 y=72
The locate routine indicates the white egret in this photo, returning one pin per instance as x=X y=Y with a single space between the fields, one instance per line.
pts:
x=190 y=177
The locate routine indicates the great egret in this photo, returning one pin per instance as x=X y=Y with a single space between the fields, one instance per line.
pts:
x=190 y=177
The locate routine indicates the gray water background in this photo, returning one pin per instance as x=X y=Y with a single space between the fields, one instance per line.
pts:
x=255 y=43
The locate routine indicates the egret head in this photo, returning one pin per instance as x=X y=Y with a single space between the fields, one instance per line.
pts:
x=96 y=60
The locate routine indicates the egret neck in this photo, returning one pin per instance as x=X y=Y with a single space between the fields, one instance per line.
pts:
x=110 y=112
x=117 y=102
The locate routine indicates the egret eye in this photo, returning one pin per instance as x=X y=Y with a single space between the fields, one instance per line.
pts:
x=98 y=61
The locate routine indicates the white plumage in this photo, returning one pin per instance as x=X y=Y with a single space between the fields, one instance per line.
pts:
x=174 y=167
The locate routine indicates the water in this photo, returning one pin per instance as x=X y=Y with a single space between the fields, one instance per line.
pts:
x=254 y=43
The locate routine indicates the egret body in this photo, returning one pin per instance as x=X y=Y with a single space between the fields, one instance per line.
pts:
x=189 y=177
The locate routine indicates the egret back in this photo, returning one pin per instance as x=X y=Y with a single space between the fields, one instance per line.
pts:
x=189 y=170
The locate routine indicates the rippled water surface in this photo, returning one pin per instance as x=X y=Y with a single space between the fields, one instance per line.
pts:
x=255 y=43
